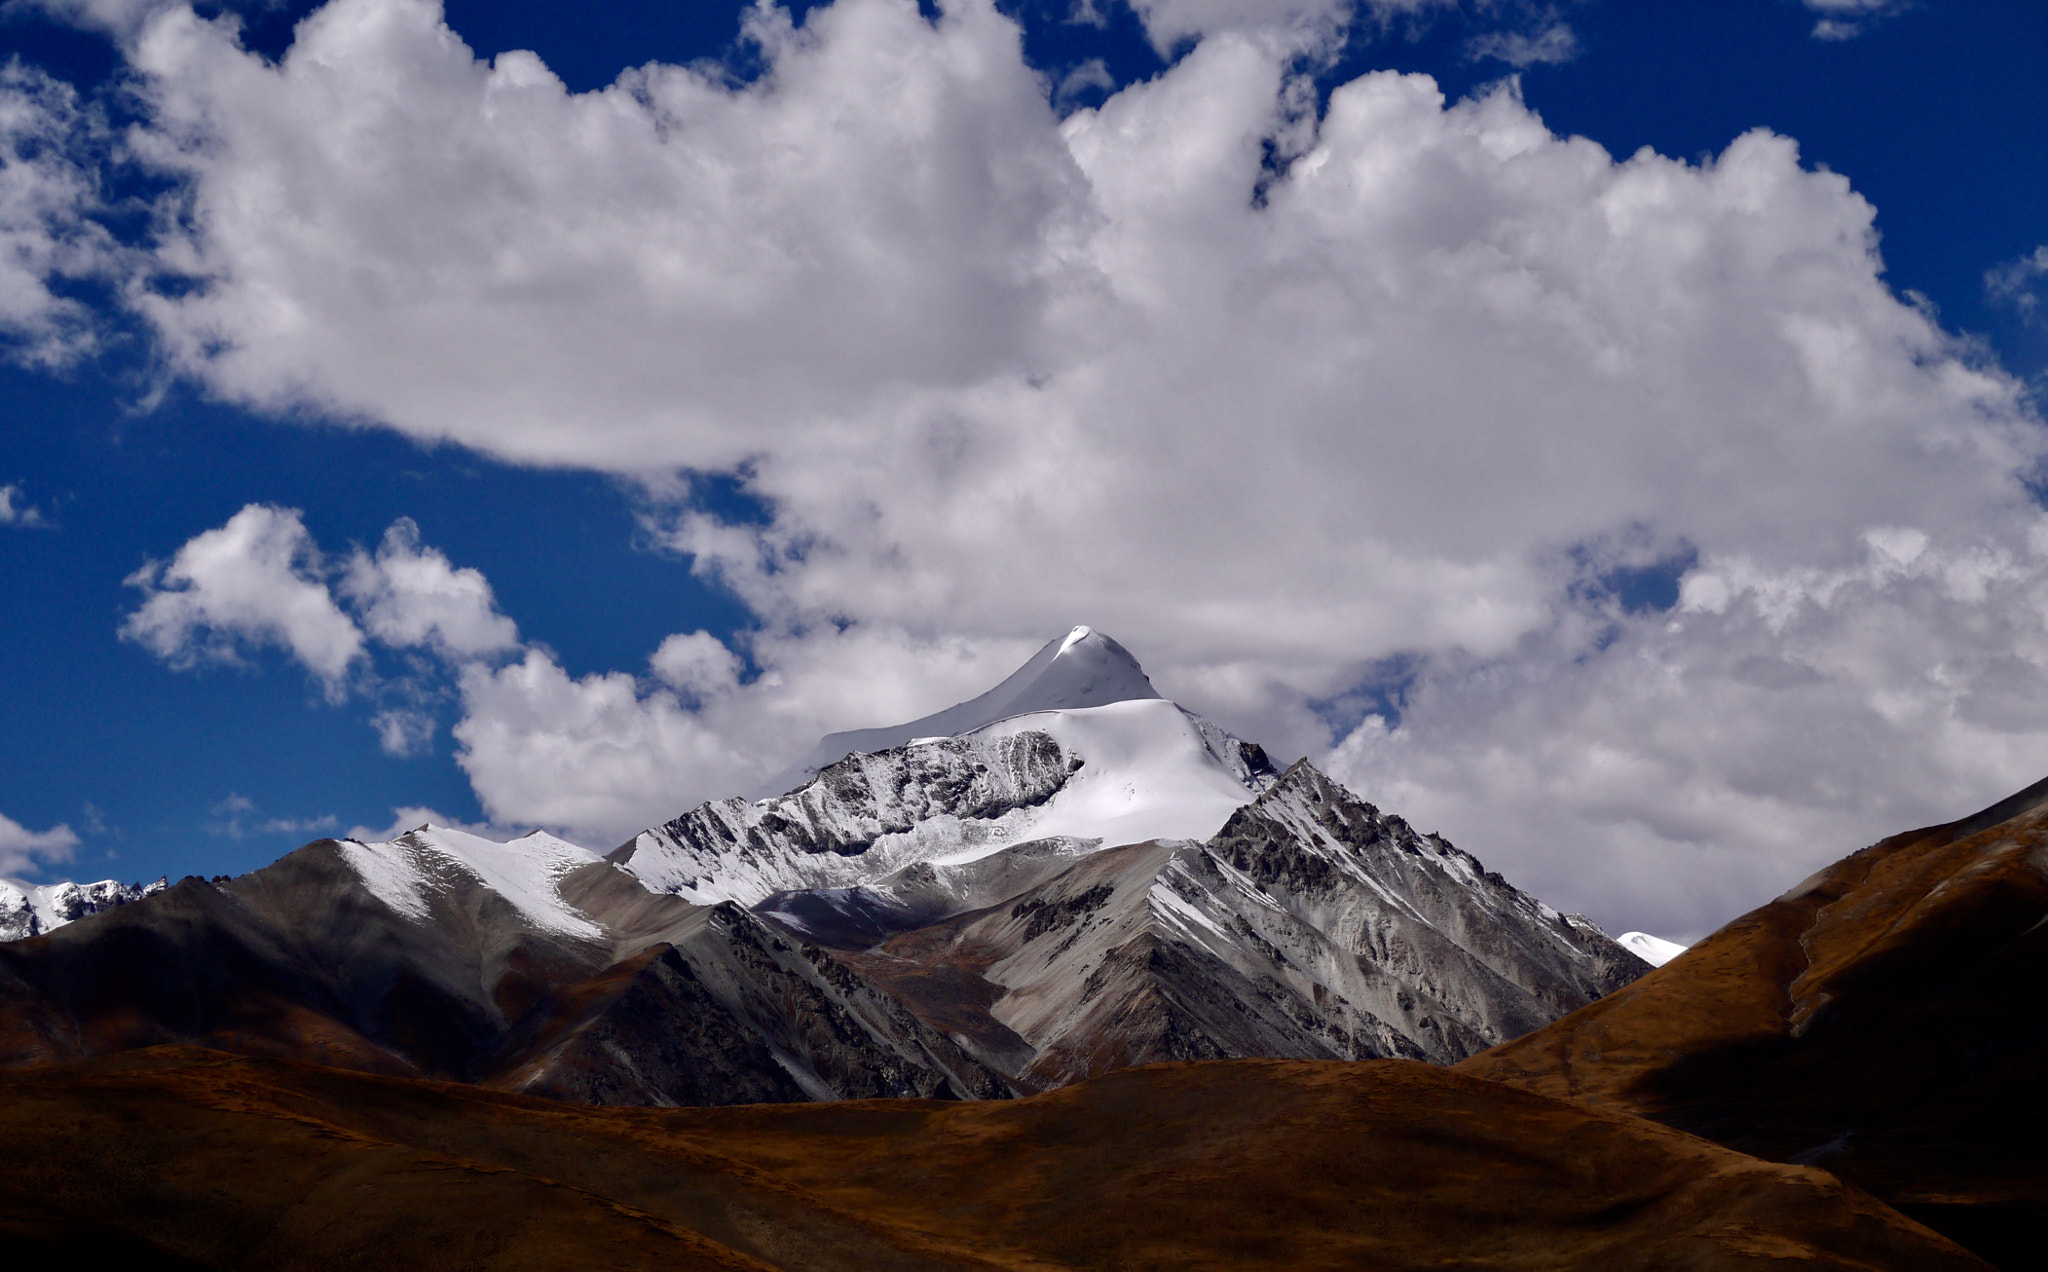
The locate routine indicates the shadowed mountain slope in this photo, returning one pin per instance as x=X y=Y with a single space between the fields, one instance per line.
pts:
x=534 y=971
x=231 y=1163
x=1088 y=877
x=1886 y=1019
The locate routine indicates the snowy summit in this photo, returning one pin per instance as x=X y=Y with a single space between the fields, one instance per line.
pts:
x=1084 y=668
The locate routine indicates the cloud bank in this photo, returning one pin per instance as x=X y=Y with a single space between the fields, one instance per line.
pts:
x=1282 y=393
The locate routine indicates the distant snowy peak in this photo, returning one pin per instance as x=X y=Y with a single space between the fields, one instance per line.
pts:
x=1084 y=668
x=1123 y=772
x=31 y=909
x=1654 y=950
x=409 y=872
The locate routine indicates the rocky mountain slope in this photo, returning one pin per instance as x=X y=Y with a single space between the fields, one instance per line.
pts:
x=30 y=909
x=1113 y=773
x=533 y=965
x=235 y=1163
x=1887 y=1019
x=1310 y=926
x=1101 y=880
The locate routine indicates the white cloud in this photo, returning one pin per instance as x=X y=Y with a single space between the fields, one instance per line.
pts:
x=603 y=756
x=409 y=596
x=256 y=581
x=23 y=850
x=1552 y=44
x=696 y=664
x=1847 y=19
x=235 y=818
x=404 y=732
x=1776 y=720
x=17 y=514
x=1091 y=76
x=1272 y=397
x=261 y=580
x=2021 y=282
x=48 y=192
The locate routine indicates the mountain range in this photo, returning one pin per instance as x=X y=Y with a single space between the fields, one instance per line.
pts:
x=1034 y=908
x=1102 y=880
x=31 y=909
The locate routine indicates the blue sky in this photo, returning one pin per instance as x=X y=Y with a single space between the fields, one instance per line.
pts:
x=839 y=502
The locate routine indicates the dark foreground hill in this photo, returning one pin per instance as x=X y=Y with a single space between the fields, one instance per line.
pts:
x=1886 y=1019
x=184 y=1158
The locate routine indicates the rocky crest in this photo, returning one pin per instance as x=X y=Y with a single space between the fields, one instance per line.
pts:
x=31 y=909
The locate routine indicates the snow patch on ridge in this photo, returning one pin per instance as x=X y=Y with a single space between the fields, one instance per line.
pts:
x=1654 y=950
x=526 y=872
x=1082 y=669
x=1124 y=772
x=1149 y=771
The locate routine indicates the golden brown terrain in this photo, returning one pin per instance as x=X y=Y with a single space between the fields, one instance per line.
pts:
x=201 y=1159
x=1887 y=1019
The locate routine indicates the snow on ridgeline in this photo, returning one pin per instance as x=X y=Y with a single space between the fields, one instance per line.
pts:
x=1654 y=950
x=1122 y=772
x=406 y=872
x=1084 y=668
x=31 y=909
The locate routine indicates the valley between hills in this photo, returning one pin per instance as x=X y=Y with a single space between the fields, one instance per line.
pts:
x=1062 y=977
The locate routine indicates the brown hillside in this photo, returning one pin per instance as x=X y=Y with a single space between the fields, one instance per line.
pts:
x=1887 y=1019
x=201 y=1159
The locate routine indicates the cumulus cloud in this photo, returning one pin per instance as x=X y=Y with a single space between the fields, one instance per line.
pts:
x=49 y=192
x=411 y=596
x=1280 y=395
x=1704 y=758
x=256 y=581
x=23 y=850
x=15 y=510
x=261 y=580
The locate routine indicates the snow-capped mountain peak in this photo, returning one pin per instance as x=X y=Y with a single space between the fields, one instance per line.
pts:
x=31 y=909
x=1084 y=668
x=1074 y=747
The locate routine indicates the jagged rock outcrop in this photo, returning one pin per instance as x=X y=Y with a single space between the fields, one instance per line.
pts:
x=1109 y=774
x=1311 y=926
x=31 y=909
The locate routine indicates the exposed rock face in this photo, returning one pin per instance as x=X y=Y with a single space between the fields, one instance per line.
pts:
x=1887 y=1019
x=1115 y=773
x=1311 y=926
x=31 y=909
x=1086 y=877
